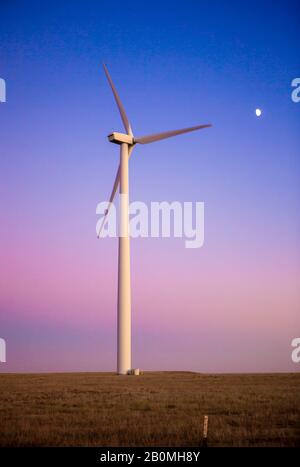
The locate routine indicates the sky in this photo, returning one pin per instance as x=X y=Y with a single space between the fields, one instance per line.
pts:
x=232 y=305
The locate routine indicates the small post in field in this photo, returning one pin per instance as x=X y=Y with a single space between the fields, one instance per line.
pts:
x=205 y=431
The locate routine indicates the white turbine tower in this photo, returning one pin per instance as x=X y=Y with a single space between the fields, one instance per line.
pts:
x=127 y=141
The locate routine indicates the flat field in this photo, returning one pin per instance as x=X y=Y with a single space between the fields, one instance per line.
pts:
x=154 y=409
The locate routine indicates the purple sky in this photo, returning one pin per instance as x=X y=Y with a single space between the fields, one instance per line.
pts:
x=232 y=305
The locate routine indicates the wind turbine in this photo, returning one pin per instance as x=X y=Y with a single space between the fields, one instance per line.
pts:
x=127 y=141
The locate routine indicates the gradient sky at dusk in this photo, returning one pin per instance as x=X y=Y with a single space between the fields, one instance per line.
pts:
x=232 y=305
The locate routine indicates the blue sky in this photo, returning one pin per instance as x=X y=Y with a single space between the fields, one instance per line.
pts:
x=175 y=64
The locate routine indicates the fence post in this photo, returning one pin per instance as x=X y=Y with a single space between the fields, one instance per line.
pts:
x=205 y=431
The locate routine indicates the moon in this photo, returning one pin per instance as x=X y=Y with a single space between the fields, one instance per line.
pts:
x=258 y=112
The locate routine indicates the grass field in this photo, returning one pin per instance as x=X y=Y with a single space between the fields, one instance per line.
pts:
x=155 y=409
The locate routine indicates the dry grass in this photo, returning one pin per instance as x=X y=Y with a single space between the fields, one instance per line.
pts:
x=155 y=409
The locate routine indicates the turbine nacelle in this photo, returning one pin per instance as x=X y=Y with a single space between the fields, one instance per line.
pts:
x=119 y=138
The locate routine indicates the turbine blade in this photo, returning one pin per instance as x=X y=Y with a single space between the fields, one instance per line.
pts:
x=113 y=193
x=119 y=103
x=167 y=134
x=112 y=196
